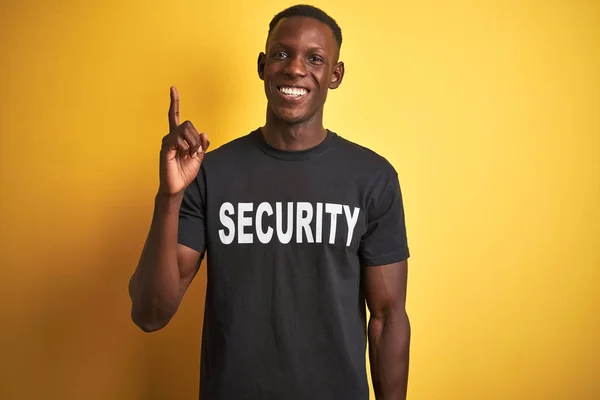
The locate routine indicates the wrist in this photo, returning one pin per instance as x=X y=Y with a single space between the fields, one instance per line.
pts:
x=166 y=201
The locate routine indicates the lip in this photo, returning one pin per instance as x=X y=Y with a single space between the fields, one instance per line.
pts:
x=291 y=98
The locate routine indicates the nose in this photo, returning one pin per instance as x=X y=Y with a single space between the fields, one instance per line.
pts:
x=295 y=67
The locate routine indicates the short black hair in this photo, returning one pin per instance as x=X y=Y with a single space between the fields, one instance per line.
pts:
x=305 y=10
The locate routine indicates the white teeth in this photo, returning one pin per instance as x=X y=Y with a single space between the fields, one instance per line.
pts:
x=291 y=91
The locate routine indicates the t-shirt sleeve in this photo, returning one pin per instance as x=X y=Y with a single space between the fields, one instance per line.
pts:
x=385 y=240
x=192 y=225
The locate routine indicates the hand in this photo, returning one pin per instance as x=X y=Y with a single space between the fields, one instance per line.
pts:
x=182 y=152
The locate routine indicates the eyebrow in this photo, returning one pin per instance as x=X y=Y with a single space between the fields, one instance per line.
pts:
x=313 y=48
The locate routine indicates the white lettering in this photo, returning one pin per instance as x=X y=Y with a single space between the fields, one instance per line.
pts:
x=284 y=237
x=334 y=210
x=303 y=221
x=243 y=221
x=264 y=237
x=352 y=219
x=319 y=223
x=227 y=222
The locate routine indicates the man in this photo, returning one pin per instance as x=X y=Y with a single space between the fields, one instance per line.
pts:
x=299 y=225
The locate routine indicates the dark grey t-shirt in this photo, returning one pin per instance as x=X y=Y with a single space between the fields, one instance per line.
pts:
x=286 y=236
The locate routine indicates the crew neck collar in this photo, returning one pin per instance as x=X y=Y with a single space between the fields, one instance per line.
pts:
x=293 y=155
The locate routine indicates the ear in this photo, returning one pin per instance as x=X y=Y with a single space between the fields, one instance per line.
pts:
x=261 y=65
x=337 y=76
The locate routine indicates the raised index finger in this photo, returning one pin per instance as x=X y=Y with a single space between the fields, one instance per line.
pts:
x=174 y=109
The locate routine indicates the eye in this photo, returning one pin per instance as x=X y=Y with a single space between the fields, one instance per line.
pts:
x=280 y=54
x=316 y=59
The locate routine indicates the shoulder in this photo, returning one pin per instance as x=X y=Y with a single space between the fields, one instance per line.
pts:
x=230 y=154
x=231 y=148
x=225 y=158
x=365 y=159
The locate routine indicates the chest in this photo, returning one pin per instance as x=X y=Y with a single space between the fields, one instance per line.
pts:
x=286 y=205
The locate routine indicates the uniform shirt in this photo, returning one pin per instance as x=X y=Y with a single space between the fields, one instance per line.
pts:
x=286 y=237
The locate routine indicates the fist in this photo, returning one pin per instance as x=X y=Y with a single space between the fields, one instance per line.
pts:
x=182 y=152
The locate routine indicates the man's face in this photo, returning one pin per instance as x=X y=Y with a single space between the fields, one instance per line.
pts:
x=298 y=67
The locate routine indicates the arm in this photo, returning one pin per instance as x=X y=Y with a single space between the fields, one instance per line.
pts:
x=384 y=252
x=389 y=329
x=165 y=269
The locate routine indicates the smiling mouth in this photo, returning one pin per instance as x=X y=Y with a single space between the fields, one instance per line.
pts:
x=292 y=92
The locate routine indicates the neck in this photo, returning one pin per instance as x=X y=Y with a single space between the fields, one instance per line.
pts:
x=294 y=137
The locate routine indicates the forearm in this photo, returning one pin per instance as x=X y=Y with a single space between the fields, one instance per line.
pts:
x=155 y=286
x=389 y=345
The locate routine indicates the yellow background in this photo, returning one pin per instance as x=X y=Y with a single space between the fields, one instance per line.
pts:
x=490 y=111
